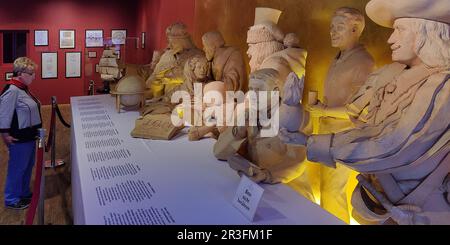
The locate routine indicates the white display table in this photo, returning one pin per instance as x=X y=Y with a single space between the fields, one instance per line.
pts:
x=117 y=179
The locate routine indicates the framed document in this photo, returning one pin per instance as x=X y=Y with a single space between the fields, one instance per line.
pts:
x=66 y=39
x=92 y=54
x=143 y=40
x=49 y=65
x=73 y=64
x=40 y=37
x=118 y=36
x=94 y=38
x=8 y=76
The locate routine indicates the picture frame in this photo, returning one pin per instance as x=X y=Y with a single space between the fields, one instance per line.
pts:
x=66 y=39
x=97 y=68
x=73 y=64
x=118 y=36
x=143 y=34
x=49 y=65
x=9 y=76
x=40 y=38
x=92 y=54
x=94 y=38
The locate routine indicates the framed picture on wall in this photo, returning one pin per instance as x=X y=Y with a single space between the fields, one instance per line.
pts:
x=73 y=64
x=49 y=65
x=143 y=40
x=40 y=37
x=66 y=39
x=92 y=54
x=94 y=38
x=118 y=36
x=8 y=76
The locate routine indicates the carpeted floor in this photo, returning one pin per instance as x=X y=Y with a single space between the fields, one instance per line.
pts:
x=58 y=201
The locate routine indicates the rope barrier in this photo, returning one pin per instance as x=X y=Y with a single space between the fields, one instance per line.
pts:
x=37 y=180
x=61 y=117
x=37 y=200
x=50 y=135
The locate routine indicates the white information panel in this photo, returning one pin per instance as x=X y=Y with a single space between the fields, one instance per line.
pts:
x=120 y=180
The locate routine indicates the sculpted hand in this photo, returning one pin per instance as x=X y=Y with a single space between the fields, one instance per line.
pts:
x=296 y=138
x=259 y=175
x=9 y=140
x=316 y=110
x=243 y=166
x=408 y=215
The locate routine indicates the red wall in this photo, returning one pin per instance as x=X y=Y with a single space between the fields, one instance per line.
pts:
x=64 y=14
x=137 y=16
x=154 y=16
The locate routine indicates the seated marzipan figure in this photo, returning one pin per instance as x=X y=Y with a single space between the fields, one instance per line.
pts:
x=195 y=71
x=168 y=72
x=267 y=52
x=227 y=66
x=401 y=143
x=265 y=159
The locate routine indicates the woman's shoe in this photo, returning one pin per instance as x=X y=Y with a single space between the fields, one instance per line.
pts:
x=21 y=205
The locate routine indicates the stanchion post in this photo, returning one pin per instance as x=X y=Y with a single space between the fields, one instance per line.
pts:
x=41 y=145
x=91 y=87
x=53 y=156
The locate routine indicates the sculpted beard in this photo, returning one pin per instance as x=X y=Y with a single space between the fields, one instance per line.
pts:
x=260 y=51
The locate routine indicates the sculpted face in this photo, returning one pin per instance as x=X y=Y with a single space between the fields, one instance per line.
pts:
x=201 y=70
x=175 y=44
x=251 y=50
x=256 y=58
x=209 y=50
x=402 y=43
x=343 y=33
x=258 y=85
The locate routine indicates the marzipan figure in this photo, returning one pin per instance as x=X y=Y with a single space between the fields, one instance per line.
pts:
x=265 y=159
x=227 y=66
x=168 y=72
x=271 y=62
x=401 y=143
x=195 y=71
x=267 y=48
x=346 y=74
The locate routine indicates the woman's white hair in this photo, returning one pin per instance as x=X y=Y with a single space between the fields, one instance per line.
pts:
x=23 y=64
x=432 y=42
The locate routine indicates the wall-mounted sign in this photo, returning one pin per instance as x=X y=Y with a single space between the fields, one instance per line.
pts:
x=49 y=65
x=73 y=64
x=66 y=39
x=94 y=38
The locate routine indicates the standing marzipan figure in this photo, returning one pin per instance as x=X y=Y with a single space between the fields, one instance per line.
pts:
x=168 y=72
x=401 y=145
x=346 y=74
